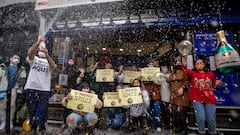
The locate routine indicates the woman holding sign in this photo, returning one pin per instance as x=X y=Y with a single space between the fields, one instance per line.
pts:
x=139 y=111
x=78 y=118
x=155 y=97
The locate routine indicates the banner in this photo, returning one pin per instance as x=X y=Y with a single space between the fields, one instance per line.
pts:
x=129 y=76
x=129 y=96
x=148 y=73
x=48 y=4
x=111 y=99
x=205 y=41
x=82 y=101
x=104 y=75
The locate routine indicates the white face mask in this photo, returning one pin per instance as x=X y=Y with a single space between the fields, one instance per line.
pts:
x=41 y=54
x=85 y=90
x=82 y=71
x=15 y=61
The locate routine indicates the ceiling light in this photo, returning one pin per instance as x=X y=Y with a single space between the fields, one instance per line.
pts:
x=147 y=18
x=134 y=18
x=121 y=49
x=90 y=22
x=104 y=49
x=120 y=20
x=60 y=24
x=71 y=24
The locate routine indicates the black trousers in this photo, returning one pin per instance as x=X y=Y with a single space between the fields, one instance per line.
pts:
x=37 y=104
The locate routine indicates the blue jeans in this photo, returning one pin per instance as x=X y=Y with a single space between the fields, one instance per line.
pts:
x=114 y=117
x=155 y=108
x=82 y=118
x=205 y=112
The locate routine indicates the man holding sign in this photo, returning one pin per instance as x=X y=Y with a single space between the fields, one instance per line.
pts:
x=155 y=96
x=81 y=102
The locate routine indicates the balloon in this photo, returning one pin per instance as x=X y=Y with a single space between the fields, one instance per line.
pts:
x=227 y=59
x=26 y=125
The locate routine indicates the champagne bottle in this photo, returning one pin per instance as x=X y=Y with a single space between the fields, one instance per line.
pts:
x=227 y=59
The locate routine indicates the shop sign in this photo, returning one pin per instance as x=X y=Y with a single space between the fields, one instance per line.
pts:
x=48 y=4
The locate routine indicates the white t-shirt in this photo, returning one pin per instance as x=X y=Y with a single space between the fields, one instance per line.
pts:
x=39 y=77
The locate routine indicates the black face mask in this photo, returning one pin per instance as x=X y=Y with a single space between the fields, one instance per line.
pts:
x=179 y=67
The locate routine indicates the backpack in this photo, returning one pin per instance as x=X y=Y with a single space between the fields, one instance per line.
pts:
x=3 y=80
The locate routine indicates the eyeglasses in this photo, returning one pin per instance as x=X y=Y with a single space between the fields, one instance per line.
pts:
x=199 y=63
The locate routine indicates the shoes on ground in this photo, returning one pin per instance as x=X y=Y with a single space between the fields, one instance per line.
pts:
x=158 y=129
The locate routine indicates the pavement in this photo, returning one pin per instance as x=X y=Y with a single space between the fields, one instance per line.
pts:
x=55 y=130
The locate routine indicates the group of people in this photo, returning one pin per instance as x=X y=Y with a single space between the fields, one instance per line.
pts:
x=163 y=104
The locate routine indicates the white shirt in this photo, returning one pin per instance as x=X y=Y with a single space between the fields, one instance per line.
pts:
x=39 y=77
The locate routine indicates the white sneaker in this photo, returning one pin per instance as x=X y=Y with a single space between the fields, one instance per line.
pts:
x=158 y=129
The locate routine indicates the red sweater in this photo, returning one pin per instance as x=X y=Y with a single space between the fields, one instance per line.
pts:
x=202 y=86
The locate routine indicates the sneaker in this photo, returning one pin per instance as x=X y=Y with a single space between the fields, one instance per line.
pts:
x=109 y=129
x=158 y=129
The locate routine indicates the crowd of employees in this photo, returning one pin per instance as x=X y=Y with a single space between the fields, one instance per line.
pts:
x=164 y=101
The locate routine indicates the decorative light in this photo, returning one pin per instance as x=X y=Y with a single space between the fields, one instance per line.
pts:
x=120 y=49
x=104 y=49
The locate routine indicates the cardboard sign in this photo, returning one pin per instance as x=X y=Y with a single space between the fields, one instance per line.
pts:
x=82 y=101
x=129 y=96
x=129 y=76
x=148 y=73
x=111 y=99
x=104 y=75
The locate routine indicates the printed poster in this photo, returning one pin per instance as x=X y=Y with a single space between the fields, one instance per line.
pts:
x=148 y=73
x=111 y=99
x=129 y=76
x=82 y=101
x=104 y=75
x=129 y=96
